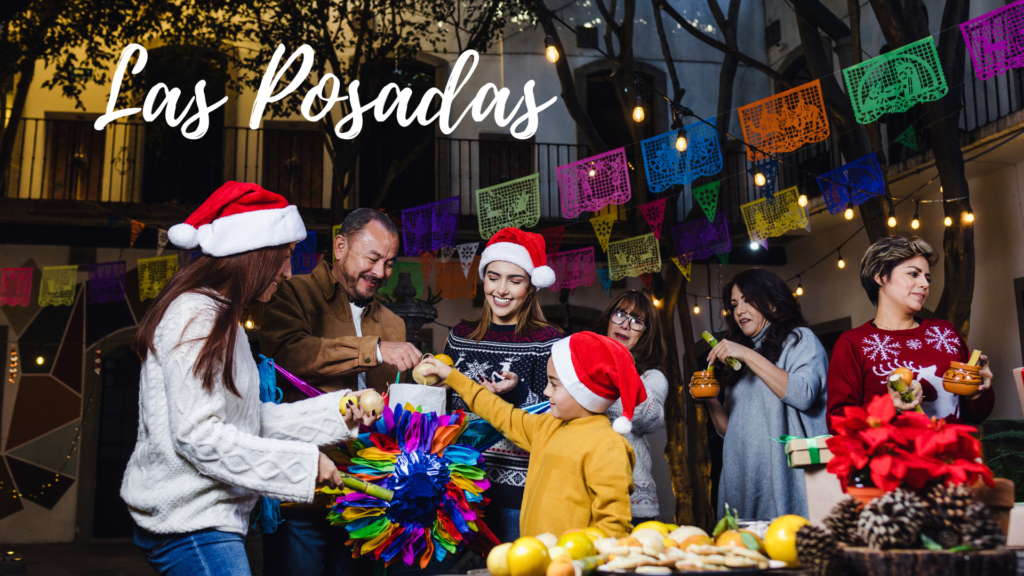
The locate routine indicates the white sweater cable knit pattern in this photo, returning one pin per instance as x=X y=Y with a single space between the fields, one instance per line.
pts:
x=648 y=417
x=202 y=458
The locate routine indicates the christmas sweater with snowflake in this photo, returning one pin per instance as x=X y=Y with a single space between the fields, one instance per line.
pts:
x=863 y=359
x=525 y=356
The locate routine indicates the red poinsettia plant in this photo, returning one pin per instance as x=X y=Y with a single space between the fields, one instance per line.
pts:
x=910 y=450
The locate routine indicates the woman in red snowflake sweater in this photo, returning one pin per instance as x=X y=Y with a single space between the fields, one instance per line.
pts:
x=896 y=274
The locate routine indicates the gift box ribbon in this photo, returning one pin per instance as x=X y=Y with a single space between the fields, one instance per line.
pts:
x=813 y=446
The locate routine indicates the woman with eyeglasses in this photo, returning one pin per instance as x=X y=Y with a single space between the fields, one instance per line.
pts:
x=632 y=320
x=780 y=391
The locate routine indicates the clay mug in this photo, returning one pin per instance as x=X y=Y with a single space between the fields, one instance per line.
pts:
x=703 y=384
x=962 y=379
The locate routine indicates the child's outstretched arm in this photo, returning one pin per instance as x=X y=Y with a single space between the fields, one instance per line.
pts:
x=517 y=425
x=609 y=474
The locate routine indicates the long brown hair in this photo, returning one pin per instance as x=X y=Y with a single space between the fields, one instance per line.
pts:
x=235 y=282
x=649 y=350
x=530 y=317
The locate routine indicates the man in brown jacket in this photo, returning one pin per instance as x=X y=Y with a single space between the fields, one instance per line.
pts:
x=327 y=329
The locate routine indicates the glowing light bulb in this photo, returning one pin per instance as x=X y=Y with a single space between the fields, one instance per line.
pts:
x=40 y=360
x=891 y=221
x=802 y=200
x=969 y=217
x=657 y=302
x=725 y=313
x=638 y=111
x=759 y=178
x=696 y=309
x=915 y=223
x=800 y=290
x=753 y=245
x=592 y=173
x=842 y=263
x=550 y=51
x=849 y=213
x=948 y=221
x=681 y=142
x=249 y=325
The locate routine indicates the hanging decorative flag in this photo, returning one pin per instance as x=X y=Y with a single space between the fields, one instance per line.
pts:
x=684 y=269
x=154 y=273
x=634 y=256
x=552 y=238
x=723 y=258
x=57 y=287
x=106 y=282
x=909 y=137
x=854 y=182
x=430 y=226
x=572 y=268
x=466 y=254
x=452 y=283
x=415 y=272
x=304 y=255
x=514 y=204
x=707 y=198
x=112 y=220
x=15 y=286
x=445 y=254
x=334 y=234
x=427 y=265
x=606 y=280
x=994 y=40
x=895 y=81
x=666 y=166
x=654 y=213
x=136 y=230
x=771 y=217
x=701 y=239
x=603 y=228
x=647 y=278
x=593 y=183
x=785 y=121
x=161 y=241
x=770 y=169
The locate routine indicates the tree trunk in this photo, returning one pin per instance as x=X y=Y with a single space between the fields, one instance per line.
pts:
x=900 y=29
x=397 y=167
x=27 y=71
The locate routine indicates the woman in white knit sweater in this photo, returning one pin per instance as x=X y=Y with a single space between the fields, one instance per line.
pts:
x=207 y=447
x=632 y=320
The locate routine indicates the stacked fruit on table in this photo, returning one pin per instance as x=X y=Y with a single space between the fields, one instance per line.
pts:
x=652 y=548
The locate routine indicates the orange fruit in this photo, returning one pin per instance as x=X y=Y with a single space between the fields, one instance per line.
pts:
x=780 y=541
x=736 y=538
x=905 y=373
x=578 y=544
x=528 y=557
x=445 y=359
x=697 y=539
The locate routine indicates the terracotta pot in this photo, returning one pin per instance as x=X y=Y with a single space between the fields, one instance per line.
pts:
x=704 y=385
x=962 y=379
x=864 y=495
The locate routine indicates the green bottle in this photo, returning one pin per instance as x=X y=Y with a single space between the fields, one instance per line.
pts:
x=732 y=362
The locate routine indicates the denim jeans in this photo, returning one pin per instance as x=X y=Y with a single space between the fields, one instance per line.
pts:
x=306 y=544
x=204 y=553
x=504 y=522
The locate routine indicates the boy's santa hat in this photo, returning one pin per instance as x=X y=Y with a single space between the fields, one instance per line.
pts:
x=597 y=371
x=237 y=218
x=524 y=249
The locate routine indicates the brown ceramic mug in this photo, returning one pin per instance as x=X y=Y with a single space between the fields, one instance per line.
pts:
x=962 y=379
x=704 y=385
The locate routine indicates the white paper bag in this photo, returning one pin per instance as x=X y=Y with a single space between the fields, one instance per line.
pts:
x=823 y=492
x=431 y=398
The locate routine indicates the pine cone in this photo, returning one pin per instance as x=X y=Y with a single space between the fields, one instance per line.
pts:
x=842 y=523
x=946 y=507
x=818 y=552
x=947 y=538
x=892 y=521
x=980 y=528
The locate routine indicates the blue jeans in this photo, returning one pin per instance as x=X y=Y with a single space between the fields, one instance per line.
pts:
x=504 y=522
x=306 y=544
x=205 y=553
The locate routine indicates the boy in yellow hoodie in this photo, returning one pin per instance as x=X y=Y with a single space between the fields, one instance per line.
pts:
x=581 y=468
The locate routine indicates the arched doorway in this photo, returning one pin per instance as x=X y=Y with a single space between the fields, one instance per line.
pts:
x=118 y=430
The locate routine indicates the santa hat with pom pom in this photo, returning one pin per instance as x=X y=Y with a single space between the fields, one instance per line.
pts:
x=239 y=217
x=597 y=371
x=524 y=249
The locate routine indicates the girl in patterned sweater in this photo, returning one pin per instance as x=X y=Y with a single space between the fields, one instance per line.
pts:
x=506 y=350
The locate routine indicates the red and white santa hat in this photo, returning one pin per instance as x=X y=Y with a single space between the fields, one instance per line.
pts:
x=524 y=249
x=597 y=371
x=237 y=218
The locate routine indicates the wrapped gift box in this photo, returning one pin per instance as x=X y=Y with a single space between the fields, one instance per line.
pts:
x=807 y=451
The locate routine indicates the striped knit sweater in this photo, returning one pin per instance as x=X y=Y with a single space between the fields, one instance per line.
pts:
x=527 y=357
